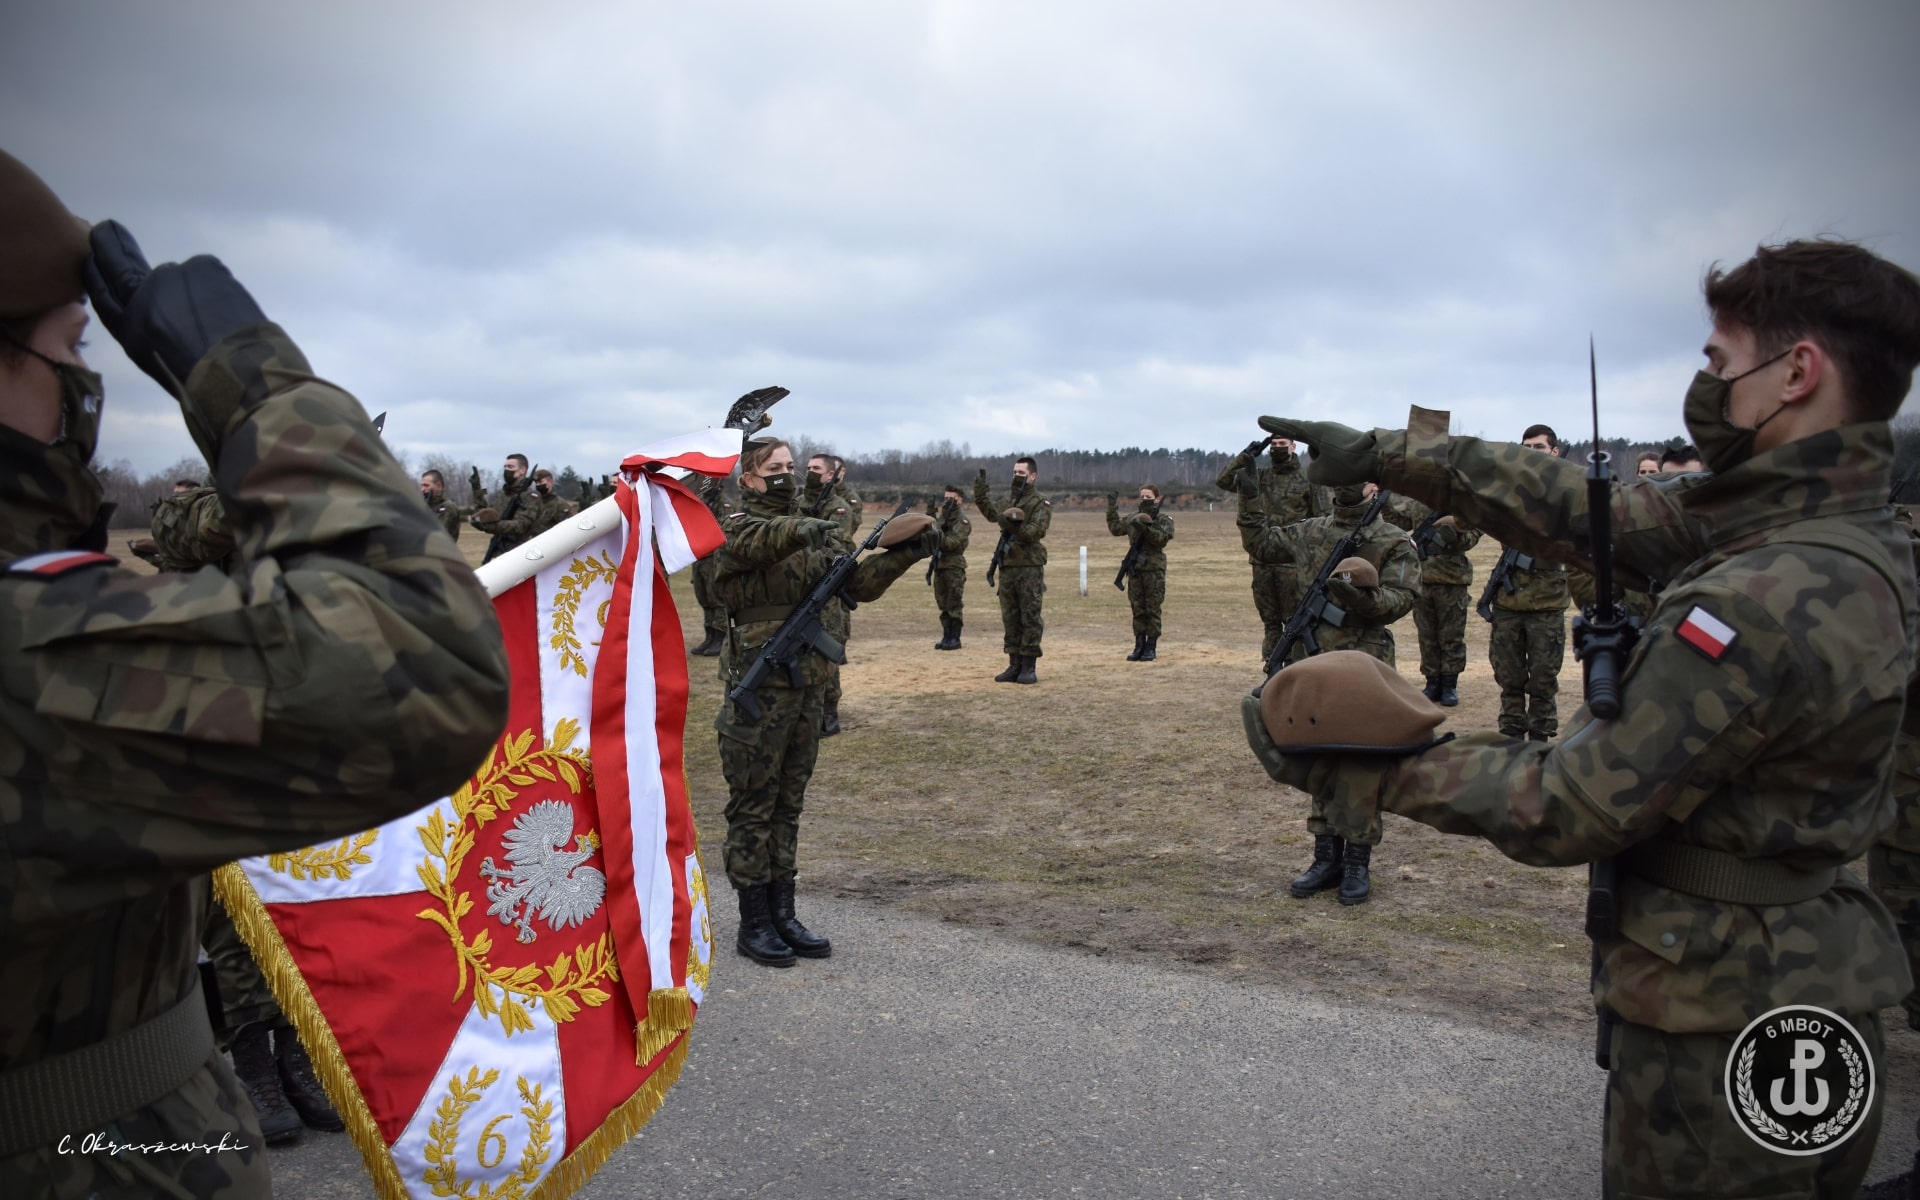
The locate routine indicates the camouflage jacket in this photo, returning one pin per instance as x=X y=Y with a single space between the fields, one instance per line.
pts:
x=769 y=564
x=1778 y=745
x=1308 y=543
x=190 y=531
x=1539 y=588
x=450 y=515
x=1904 y=834
x=1285 y=493
x=1448 y=563
x=528 y=514
x=1585 y=591
x=1150 y=536
x=1027 y=547
x=955 y=532
x=344 y=669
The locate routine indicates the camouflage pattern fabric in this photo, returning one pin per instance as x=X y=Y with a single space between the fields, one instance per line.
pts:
x=1029 y=547
x=515 y=495
x=1527 y=650
x=1276 y=593
x=1671 y=1133
x=1893 y=864
x=189 y=530
x=1782 y=747
x=1308 y=543
x=1287 y=497
x=841 y=506
x=950 y=577
x=1146 y=595
x=1147 y=582
x=344 y=670
x=245 y=999
x=1022 y=619
x=1585 y=591
x=450 y=515
x=771 y=560
x=713 y=614
x=1539 y=588
x=1446 y=574
x=949 y=593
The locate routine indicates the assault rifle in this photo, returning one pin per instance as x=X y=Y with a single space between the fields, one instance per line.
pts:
x=802 y=631
x=999 y=553
x=1424 y=535
x=1314 y=605
x=1511 y=560
x=933 y=560
x=1603 y=638
x=1132 y=560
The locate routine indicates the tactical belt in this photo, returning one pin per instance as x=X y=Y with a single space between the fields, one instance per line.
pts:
x=765 y=612
x=81 y=1090
x=1714 y=875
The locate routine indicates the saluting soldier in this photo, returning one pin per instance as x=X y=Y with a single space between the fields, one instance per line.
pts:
x=1287 y=496
x=1374 y=587
x=251 y=701
x=1440 y=615
x=950 y=571
x=1147 y=530
x=1755 y=753
x=1023 y=518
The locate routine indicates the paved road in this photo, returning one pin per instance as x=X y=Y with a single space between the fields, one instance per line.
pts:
x=928 y=1061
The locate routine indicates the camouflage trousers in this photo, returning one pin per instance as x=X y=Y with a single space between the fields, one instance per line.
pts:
x=1146 y=594
x=245 y=998
x=1350 y=806
x=1276 y=593
x=1670 y=1131
x=1895 y=878
x=768 y=766
x=1021 y=589
x=838 y=622
x=1527 y=649
x=1440 y=616
x=713 y=614
x=949 y=585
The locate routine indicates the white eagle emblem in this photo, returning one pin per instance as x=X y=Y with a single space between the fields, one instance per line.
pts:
x=545 y=880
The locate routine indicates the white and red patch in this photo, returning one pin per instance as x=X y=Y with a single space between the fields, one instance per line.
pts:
x=1706 y=633
x=55 y=563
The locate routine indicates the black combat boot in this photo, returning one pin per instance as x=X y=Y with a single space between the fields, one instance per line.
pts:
x=1012 y=672
x=1432 y=690
x=1139 y=644
x=302 y=1090
x=1449 y=694
x=957 y=624
x=253 y=1063
x=1518 y=735
x=804 y=943
x=1148 y=650
x=830 y=719
x=1355 y=887
x=1325 y=871
x=946 y=635
x=758 y=940
x=1026 y=674
x=711 y=647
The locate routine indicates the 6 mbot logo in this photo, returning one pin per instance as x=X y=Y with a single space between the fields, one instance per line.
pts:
x=1800 y=1080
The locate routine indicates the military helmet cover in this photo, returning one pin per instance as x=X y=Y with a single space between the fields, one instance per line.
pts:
x=43 y=247
x=904 y=528
x=1347 y=702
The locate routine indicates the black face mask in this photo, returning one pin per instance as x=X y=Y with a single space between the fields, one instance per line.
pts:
x=1019 y=484
x=50 y=498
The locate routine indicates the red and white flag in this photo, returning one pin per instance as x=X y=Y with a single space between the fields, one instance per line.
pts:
x=1706 y=633
x=497 y=989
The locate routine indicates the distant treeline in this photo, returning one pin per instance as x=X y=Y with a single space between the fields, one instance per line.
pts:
x=1066 y=475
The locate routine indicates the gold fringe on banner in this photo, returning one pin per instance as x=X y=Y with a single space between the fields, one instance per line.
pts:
x=256 y=928
x=619 y=1127
x=669 y=1014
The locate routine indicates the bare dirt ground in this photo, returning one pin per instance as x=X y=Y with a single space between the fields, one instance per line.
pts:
x=1115 y=808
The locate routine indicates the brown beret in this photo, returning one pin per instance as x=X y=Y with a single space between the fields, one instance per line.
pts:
x=1357 y=571
x=904 y=528
x=43 y=247
x=1346 y=702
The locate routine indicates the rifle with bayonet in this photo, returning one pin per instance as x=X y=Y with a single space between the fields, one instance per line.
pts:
x=1314 y=605
x=1603 y=638
x=1131 y=562
x=802 y=630
x=1501 y=579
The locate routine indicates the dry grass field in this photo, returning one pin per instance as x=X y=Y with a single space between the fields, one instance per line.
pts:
x=1115 y=807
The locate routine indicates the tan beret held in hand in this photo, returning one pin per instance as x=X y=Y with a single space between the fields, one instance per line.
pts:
x=904 y=528
x=1357 y=571
x=1346 y=702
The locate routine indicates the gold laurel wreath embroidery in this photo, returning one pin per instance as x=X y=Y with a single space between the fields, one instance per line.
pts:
x=1856 y=1088
x=1750 y=1103
x=570 y=980
x=566 y=607
x=699 y=970
x=443 y=1140
x=316 y=862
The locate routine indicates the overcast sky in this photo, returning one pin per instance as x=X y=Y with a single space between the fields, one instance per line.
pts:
x=571 y=229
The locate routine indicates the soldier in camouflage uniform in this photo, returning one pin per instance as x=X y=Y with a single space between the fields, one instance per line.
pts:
x=773 y=558
x=950 y=570
x=713 y=614
x=1446 y=580
x=1756 y=752
x=1528 y=644
x=1287 y=496
x=487 y=515
x=829 y=498
x=1147 y=532
x=433 y=491
x=1023 y=518
x=346 y=670
x=1342 y=848
x=530 y=511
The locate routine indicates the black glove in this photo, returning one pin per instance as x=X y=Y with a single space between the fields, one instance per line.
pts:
x=166 y=318
x=980 y=480
x=1113 y=499
x=1255 y=447
x=1341 y=453
x=473 y=481
x=818 y=532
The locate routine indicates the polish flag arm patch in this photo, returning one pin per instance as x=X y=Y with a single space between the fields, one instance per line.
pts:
x=55 y=563
x=1706 y=633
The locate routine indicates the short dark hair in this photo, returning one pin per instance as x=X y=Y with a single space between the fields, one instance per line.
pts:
x=954 y=491
x=1546 y=431
x=1684 y=452
x=1151 y=487
x=1032 y=466
x=1863 y=311
x=519 y=458
x=435 y=475
x=543 y=473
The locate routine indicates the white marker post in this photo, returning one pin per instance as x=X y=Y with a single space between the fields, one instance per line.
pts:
x=1083 y=570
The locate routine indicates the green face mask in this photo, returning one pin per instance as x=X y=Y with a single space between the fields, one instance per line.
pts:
x=49 y=495
x=1722 y=444
x=1349 y=497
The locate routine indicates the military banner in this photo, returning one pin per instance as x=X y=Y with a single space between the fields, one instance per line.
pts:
x=497 y=990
